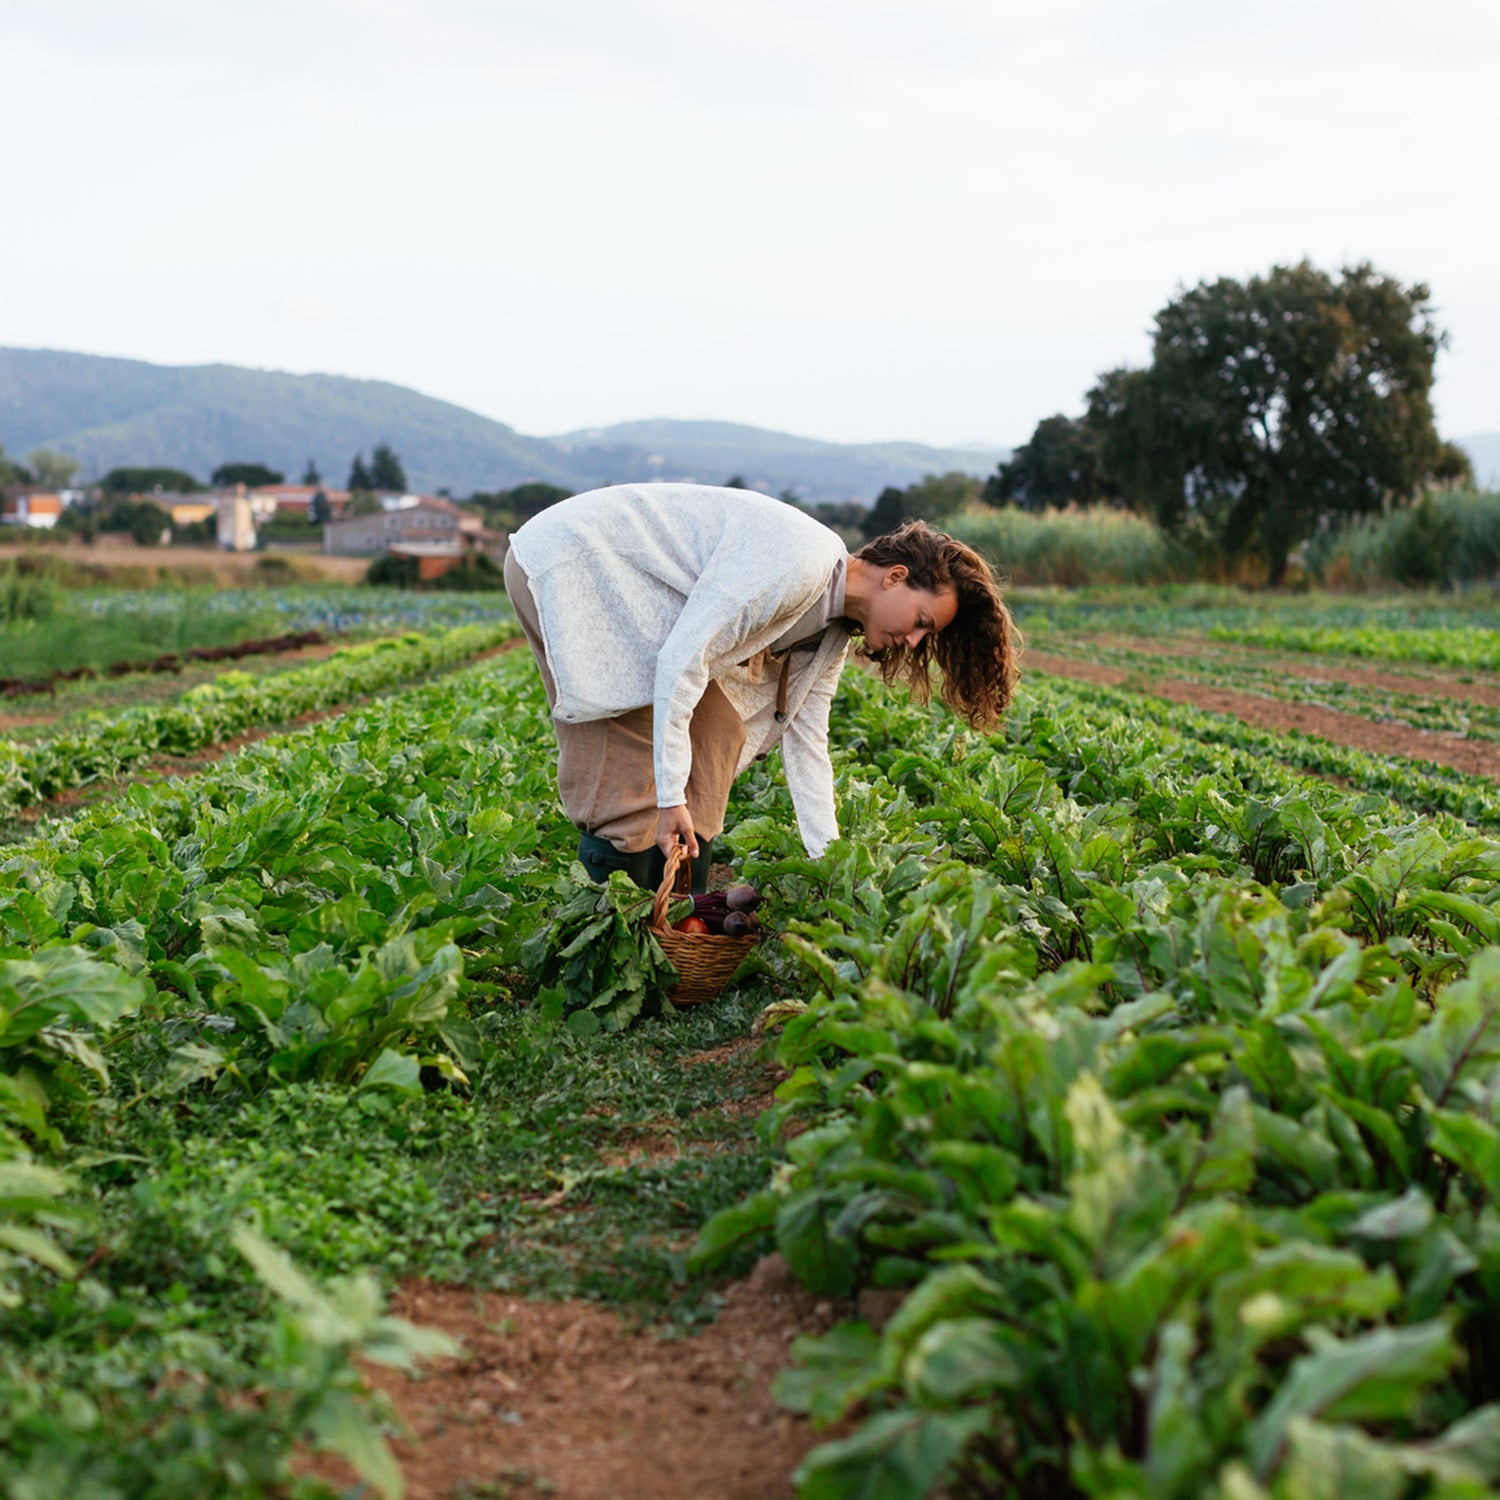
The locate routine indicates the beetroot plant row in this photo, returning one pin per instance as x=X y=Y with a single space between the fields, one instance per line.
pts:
x=303 y=913
x=295 y=912
x=1268 y=758
x=106 y=746
x=1155 y=1094
x=1463 y=646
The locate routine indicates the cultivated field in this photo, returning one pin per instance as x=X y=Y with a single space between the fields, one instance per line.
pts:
x=1113 y=1115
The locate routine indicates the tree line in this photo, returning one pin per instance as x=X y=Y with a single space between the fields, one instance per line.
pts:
x=50 y=470
x=1273 y=412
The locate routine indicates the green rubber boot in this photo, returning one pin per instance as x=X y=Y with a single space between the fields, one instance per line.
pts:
x=600 y=858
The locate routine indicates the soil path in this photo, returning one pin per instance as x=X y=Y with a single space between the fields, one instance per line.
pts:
x=564 y=1399
x=1477 y=757
x=1434 y=683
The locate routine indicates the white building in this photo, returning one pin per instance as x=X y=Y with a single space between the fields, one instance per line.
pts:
x=237 y=521
x=36 y=508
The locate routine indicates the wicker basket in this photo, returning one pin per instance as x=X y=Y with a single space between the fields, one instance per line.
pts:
x=705 y=960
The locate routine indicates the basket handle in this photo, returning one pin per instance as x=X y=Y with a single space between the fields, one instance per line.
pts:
x=677 y=867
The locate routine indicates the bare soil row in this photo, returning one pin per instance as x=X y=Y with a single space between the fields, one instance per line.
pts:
x=1476 y=757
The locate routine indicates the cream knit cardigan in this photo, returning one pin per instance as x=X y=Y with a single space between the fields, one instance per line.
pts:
x=647 y=592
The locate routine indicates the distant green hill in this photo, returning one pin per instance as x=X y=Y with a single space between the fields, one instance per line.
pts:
x=109 y=412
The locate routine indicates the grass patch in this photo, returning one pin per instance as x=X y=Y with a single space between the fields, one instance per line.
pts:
x=534 y=1182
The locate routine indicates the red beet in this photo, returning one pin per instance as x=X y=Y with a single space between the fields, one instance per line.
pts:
x=742 y=898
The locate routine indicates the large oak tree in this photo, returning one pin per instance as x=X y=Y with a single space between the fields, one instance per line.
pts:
x=1274 y=405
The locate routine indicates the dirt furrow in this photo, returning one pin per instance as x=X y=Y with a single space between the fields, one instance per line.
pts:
x=563 y=1399
x=1476 y=757
x=1436 y=682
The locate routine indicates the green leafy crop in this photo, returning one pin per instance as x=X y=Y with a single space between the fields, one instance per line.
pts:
x=1157 y=1088
x=597 y=958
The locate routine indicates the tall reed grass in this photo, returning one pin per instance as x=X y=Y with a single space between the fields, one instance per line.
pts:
x=1078 y=545
x=1450 y=537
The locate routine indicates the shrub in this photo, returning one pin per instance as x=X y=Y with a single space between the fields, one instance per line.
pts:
x=473 y=574
x=140 y=518
x=1422 y=544
x=398 y=572
x=273 y=568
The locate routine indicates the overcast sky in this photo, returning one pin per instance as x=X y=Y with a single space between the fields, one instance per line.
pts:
x=852 y=219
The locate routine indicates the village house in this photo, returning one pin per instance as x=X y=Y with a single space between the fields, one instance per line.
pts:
x=36 y=508
x=295 y=499
x=238 y=512
x=426 y=527
x=185 y=510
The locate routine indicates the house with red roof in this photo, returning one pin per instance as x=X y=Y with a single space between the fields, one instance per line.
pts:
x=295 y=499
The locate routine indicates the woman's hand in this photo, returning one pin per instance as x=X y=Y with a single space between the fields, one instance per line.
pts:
x=674 y=824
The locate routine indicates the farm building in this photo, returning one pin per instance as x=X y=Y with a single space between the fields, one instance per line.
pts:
x=236 y=528
x=184 y=510
x=296 y=499
x=429 y=528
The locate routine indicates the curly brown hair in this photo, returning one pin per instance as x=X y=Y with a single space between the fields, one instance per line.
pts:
x=979 y=653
